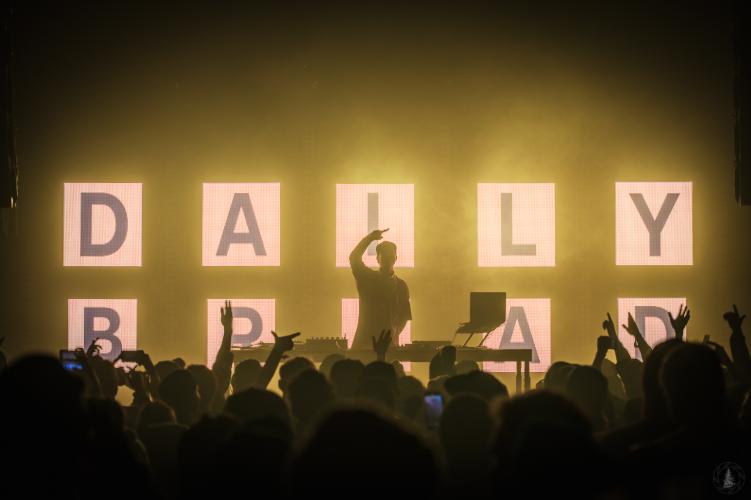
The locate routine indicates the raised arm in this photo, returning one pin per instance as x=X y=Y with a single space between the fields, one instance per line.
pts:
x=381 y=344
x=281 y=345
x=222 y=366
x=641 y=344
x=621 y=354
x=680 y=321
x=738 y=346
x=603 y=345
x=355 y=257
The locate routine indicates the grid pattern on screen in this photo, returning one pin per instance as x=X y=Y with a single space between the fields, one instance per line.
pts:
x=537 y=313
x=265 y=205
x=127 y=332
x=215 y=330
x=532 y=223
x=103 y=225
x=675 y=245
x=395 y=210
x=350 y=313
x=655 y=330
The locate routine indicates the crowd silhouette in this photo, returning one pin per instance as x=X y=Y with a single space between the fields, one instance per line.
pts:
x=675 y=425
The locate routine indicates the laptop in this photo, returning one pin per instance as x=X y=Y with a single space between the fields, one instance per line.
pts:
x=487 y=311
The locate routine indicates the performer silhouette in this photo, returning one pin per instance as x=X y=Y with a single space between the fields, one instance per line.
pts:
x=384 y=297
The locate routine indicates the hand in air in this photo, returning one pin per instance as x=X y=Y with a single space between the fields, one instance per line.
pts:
x=382 y=343
x=227 y=314
x=631 y=327
x=734 y=319
x=680 y=321
x=377 y=234
x=284 y=343
x=609 y=326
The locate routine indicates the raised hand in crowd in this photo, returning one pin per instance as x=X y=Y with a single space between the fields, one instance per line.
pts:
x=145 y=384
x=226 y=315
x=222 y=366
x=738 y=346
x=381 y=344
x=633 y=329
x=680 y=321
x=285 y=342
x=604 y=344
x=282 y=345
x=94 y=348
x=621 y=354
x=93 y=386
x=138 y=382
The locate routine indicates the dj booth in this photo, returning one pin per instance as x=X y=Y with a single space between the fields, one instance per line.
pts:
x=487 y=311
x=420 y=352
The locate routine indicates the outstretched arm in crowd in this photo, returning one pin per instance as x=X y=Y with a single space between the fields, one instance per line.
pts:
x=603 y=345
x=145 y=385
x=281 y=346
x=680 y=321
x=632 y=328
x=738 y=346
x=93 y=386
x=381 y=344
x=621 y=354
x=222 y=366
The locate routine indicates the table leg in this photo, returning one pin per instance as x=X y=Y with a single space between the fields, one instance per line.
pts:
x=527 y=380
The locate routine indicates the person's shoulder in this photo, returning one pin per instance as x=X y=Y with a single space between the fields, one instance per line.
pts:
x=363 y=270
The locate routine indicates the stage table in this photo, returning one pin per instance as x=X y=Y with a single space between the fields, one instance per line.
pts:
x=415 y=354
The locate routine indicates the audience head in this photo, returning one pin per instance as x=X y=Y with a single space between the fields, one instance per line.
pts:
x=206 y=381
x=165 y=368
x=556 y=378
x=345 y=377
x=543 y=434
x=107 y=376
x=465 y=366
x=409 y=397
x=328 y=363
x=353 y=444
x=154 y=413
x=180 y=391
x=198 y=451
x=465 y=430
x=654 y=405
x=308 y=394
x=289 y=370
x=257 y=404
x=479 y=383
x=245 y=375
x=588 y=389
x=694 y=385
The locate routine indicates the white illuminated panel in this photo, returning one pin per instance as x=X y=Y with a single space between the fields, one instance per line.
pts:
x=252 y=323
x=516 y=225
x=653 y=223
x=241 y=224
x=527 y=325
x=651 y=316
x=102 y=224
x=350 y=313
x=113 y=321
x=360 y=208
